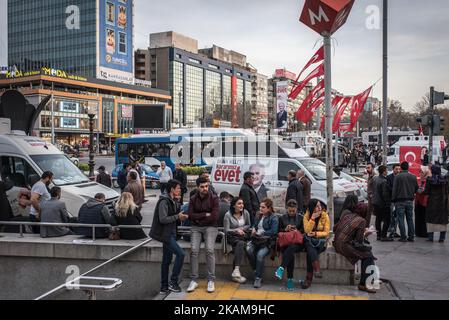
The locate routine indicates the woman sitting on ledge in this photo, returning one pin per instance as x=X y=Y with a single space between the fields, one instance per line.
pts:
x=317 y=229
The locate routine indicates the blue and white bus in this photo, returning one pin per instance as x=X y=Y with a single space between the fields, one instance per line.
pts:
x=189 y=143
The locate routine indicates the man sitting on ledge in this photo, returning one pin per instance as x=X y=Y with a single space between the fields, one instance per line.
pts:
x=94 y=211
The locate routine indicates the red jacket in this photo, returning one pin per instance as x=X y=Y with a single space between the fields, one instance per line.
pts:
x=198 y=208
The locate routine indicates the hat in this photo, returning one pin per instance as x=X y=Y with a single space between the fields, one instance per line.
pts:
x=102 y=168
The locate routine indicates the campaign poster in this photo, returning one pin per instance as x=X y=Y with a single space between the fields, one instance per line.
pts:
x=282 y=105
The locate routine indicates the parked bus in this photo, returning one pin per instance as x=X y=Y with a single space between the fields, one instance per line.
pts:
x=190 y=143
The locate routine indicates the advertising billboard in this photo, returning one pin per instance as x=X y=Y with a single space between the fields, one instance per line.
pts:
x=115 y=42
x=72 y=123
x=72 y=107
x=149 y=117
x=282 y=105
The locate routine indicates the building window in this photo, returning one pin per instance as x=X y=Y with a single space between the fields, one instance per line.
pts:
x=194 y=94
x=213 y=97
x=194 y=61
x=122 y=43
x=212 y=66
x=177 y=56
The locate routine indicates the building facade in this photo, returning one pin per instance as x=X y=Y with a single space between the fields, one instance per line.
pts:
x=260 y=102
x=141 y=60
x=73 y=98
x=205 y=91
x=88 y=38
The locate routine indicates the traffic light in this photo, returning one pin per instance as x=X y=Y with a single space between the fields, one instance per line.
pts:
x=438 y=125
x=425 y=121
x=439 y=97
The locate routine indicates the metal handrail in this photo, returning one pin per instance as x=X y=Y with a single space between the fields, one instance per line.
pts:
x=129 y=251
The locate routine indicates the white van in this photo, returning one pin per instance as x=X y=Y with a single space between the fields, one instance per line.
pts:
x=271 y=174
x=23 y=159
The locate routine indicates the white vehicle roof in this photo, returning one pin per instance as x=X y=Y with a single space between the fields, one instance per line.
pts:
x=23 y=144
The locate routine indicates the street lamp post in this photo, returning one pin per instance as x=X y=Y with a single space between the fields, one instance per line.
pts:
x=91 y=146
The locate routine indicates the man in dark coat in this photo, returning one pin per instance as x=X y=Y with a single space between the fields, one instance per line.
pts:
x=382 y=204
x=371 y=177
x=306 y=188
x=294 y=191
x=248 y=194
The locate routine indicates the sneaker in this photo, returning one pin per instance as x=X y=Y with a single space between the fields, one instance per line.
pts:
x=192 y=286
x=164 y=291
x=290 y=284
x=240 y=280
x=236 y=274
x=174 y=287
x=402 y=240
x=258 y=283
x=211 y=287
x=279 y=273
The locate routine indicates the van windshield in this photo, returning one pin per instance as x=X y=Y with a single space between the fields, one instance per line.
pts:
x=316 y=168
x=65 y=172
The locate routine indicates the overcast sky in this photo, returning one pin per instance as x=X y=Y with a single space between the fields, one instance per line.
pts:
x=270 y=35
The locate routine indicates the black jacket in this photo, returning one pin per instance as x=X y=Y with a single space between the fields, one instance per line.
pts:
x=295 y=192
x=405 y=187
x=382 y=192
x=165 y=219
x=122 y=179
x=5 y=211
x=286 y=220
x=130 y=220
x=104 y=179
x=250 y=200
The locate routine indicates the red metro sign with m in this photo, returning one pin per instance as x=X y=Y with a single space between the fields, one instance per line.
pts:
x=326 y=16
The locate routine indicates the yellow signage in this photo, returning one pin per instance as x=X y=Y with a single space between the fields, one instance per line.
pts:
x=46 y=72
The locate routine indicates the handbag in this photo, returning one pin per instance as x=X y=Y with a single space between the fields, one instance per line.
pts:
x=260 y=241
x=316 y=242
x=114 y=235
x=286 y=239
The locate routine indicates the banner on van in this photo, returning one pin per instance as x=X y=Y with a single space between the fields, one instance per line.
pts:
x=231 y=172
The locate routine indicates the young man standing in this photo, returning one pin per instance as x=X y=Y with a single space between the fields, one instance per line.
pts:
x=165 y=219
x=249 y=196
x=203 y=215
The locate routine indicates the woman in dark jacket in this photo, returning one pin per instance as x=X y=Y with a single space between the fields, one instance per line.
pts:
x=289 y=222
x=436 y=211
x=266 y=227
x=350 y=235
x=127 y=214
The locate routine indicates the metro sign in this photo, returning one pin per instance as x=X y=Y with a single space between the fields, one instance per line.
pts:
x=326 y=16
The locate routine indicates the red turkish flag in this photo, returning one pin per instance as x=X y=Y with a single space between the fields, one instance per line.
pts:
x=308 y=115
x=344 y=127
x=318 y=57
x=335 y=103
x=318 y=72
x=358 y=104
x=316 y=92
x=340 y=111
x=412 y=155
x=326 y=16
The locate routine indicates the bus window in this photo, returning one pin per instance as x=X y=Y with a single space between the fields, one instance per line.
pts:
x=123 y=150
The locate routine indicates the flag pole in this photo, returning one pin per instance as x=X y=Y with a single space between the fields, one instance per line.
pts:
x=329 y=122
x=385 y=82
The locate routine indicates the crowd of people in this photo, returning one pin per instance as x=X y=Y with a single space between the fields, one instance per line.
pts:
x=251 y=226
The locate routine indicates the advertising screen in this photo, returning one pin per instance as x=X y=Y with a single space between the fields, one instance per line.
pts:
x=116 y=40
x=282 y=105
x=149 y=117
x=67 y=106
x=72 y=123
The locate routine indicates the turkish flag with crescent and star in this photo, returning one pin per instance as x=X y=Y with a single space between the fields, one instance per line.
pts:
x=340 y=111
x=412 y=155
x=335 y=101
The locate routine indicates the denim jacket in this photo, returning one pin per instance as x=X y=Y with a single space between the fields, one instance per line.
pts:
x=270 y=225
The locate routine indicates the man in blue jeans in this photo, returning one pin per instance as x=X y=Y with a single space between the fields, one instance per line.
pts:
x=405 y=187
x=166 y=216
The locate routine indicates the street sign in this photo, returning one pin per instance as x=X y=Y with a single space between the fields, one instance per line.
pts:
x=326 y=16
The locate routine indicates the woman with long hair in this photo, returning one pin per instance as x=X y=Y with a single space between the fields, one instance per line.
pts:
x=350 y=241
x=421 y=201
x=127 y=213
x=265 y=228
x=436 y=211
x=236 y=223
x=317 y=229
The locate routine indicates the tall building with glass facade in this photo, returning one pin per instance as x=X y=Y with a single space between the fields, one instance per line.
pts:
x=39 y=37
x=88 y=38
x=201 y=87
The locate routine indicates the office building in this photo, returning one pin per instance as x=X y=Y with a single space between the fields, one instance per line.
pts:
x=206 y=91
x=260 y=102
x=88 y=38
